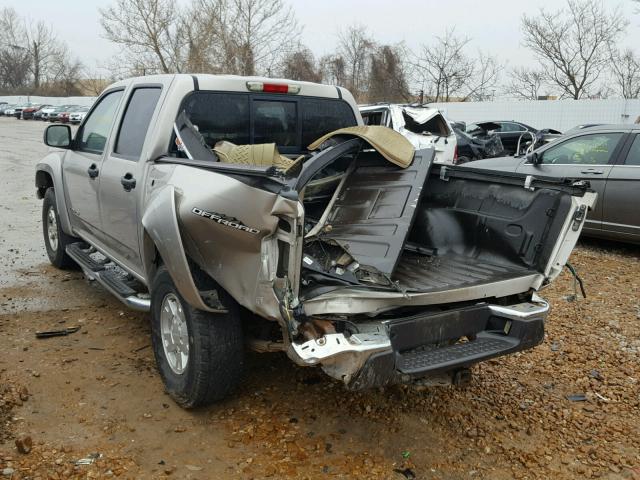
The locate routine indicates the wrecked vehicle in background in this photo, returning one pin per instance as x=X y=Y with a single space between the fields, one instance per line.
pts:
x=476 y=148
x=261 y=212
x=423 y=126
x=516 y=137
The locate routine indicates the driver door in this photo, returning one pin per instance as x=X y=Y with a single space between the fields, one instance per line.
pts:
x=587 y=157
x=83 y=164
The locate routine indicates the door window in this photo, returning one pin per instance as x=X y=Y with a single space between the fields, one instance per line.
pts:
x=135 y=122
x=512 y=127
x=92 y=137
x=594 y=149
x=633 y=157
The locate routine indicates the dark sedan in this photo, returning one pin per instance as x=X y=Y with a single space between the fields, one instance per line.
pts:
x=509 y=132
x=608 y=156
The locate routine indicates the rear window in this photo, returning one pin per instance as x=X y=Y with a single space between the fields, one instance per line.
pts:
x=291 y=122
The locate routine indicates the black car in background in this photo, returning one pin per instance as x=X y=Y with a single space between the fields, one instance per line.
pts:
x=508 y=131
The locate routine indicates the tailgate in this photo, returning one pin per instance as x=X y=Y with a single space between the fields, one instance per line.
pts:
x=376 y=208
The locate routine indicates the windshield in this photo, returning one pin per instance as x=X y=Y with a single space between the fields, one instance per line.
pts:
x=291 y=122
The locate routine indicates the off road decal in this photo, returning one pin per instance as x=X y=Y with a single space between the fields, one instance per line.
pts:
x=224 y=220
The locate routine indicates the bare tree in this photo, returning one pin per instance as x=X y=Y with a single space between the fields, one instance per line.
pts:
x=146 y=29
x=573 y=44
x=626 y=73
x=443 y=68
x=333 y=69
x=355 y=47
x=525 y=83
x=32 y=59
x=388 y=75
x=261 y=33
x=45 y=51
x=484 y=78
x=14 y=58
x=94 y=83
x=301 y=65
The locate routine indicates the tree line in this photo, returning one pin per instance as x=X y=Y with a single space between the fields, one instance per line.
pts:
x=576 y=49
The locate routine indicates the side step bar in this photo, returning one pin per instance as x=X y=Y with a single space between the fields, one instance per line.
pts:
x=80 y=253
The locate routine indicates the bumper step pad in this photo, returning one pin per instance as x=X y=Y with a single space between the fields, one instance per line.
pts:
x=437 y=358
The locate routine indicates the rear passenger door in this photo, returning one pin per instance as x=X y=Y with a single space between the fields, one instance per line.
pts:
x=621 y=201
x=121 y=184
x=585 y=157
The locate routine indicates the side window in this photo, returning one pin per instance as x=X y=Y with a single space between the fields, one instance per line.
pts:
x=220 y=116
x=633 y=157
x=585 y=150
x=320 y=117
x=93 y=135
x=513 y=127
x=135 y=122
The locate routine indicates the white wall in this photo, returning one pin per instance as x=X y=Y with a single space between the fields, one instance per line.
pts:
x=20 y=99
x=559 y=114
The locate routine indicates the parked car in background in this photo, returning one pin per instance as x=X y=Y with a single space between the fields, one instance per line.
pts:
x=608 y=157
x=78 y=115
x=60 y=114
x=423 y=126
x=8 y=112
x=17 y=112
x=43 y=114
x=63 y=117
x=4 y=109
x=29 y=113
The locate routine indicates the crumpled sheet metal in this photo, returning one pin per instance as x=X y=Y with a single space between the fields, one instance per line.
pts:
x=389 y=143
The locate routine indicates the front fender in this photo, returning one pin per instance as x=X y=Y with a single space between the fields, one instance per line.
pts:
x=51 y=168
x=160 y=221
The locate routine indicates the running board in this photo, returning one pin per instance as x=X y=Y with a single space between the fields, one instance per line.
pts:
x=81 y=254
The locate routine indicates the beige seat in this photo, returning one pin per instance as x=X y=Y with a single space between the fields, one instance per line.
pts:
x=260 y=155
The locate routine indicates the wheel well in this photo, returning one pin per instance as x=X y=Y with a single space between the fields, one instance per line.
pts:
x=43 y=182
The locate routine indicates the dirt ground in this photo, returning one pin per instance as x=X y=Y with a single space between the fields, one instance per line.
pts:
x=568 y=409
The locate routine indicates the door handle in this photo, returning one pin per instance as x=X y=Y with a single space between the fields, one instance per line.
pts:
x=128 y=182
x=592 y=171
x=93 y=171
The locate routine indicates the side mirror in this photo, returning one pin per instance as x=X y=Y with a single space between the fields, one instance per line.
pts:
x=534 y=158
x=58 y=136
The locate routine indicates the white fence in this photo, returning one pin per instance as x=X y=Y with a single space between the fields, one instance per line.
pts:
x=559 y=114
x=22 y=99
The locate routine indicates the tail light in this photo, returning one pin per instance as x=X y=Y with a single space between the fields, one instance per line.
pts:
x=273 y=87
x=455 y=155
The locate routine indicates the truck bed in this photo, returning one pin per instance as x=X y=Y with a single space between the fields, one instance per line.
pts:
x=424 y=273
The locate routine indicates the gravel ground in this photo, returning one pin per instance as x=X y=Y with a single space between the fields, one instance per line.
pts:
x=567 y=409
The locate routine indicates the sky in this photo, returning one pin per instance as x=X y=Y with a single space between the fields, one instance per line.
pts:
x=493 y=25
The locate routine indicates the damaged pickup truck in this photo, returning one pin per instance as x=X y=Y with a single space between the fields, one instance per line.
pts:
x=262 y=213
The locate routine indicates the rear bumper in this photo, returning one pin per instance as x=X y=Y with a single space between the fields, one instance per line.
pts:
x=406 y=349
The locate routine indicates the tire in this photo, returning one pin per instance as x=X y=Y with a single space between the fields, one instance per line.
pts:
x=57 y=242
x=212 y=365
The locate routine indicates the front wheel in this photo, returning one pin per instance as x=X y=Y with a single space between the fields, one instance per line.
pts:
x=55 y=239
x=199 y=355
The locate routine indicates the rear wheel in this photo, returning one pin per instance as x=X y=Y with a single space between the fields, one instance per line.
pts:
x=199 y=355
x=55 y=239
